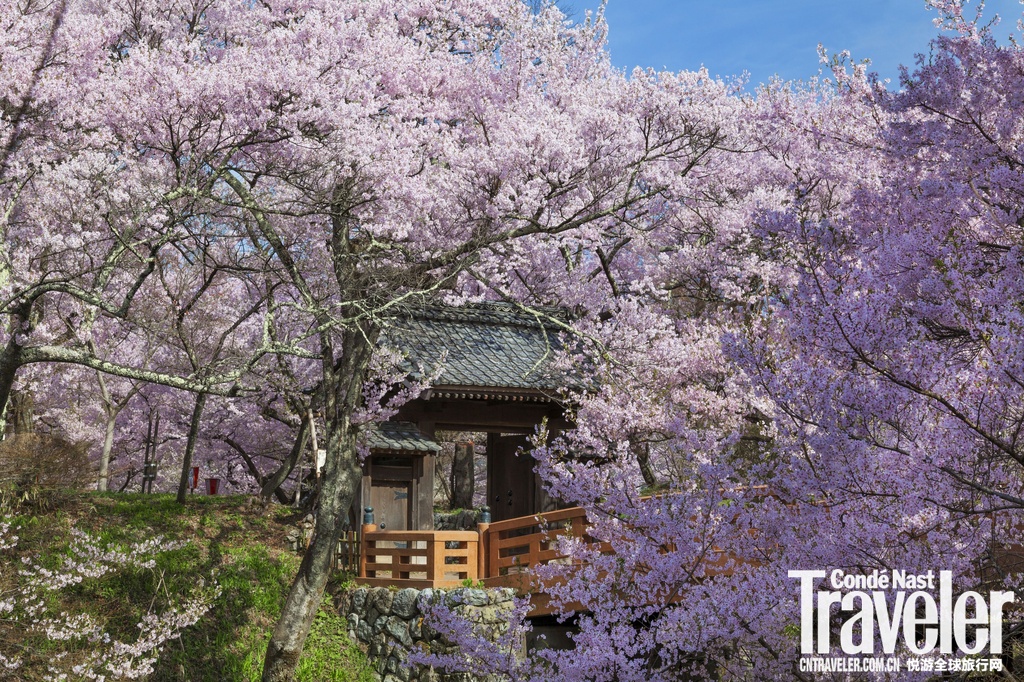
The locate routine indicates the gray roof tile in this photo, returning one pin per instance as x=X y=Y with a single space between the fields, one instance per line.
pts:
x=403 y=436
x=492 y=345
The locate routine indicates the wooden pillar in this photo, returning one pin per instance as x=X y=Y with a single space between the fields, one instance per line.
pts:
x=426 y=480
x=435 y=554
x=482 y=551
x=362 y=498
x=423 y=492
x=364 y=547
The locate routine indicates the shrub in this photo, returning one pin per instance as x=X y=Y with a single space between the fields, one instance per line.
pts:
x=35 y=467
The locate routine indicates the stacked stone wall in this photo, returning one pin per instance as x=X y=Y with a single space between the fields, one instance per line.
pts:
x=464 y=519
x=390 y=623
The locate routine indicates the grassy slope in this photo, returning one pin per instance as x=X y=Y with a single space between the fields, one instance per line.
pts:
x=242 y=546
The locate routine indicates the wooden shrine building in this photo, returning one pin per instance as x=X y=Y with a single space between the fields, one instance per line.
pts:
x=495 y=379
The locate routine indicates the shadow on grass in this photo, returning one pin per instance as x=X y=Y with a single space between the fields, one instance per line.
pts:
x=229 y=541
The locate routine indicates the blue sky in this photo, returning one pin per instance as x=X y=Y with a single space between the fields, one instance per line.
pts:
x=766 y=37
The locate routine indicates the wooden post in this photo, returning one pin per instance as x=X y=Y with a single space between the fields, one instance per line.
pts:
x=316 y=447
x=481 y=551
x=298 y=484
x=364 y=550
x=435 y=560
x=493 y=554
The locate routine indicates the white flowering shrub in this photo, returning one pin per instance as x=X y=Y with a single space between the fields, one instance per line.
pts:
x=85 y=650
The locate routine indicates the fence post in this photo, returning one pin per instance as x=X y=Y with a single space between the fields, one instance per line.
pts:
x=435 y=559
x=482 y=549
x=579 y=527
x=364 y=545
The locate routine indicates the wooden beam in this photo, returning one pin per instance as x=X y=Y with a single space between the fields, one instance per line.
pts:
x=481 y=415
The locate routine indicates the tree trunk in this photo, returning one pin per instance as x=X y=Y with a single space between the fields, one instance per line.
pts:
x=272 y=486
x=190 y=447
x=22 y=412
x=11 y=359
x=463 y=476
x=108 y=446
x=9 y=364
x=342 y=474
x=643 y=460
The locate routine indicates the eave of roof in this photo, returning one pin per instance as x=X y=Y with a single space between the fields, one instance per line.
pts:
x=399 y=437
x=447 y=392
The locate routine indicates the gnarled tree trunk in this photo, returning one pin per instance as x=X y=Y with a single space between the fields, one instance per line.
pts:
x=343 y=384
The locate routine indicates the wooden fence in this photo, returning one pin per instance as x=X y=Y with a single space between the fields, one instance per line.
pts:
x=419 y=558
x=494 y=553
x=346 y=559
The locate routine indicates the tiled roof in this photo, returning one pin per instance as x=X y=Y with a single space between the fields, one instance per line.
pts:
x=402 y=436
x=492 y=345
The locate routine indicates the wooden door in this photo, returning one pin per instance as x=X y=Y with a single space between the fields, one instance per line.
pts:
x=390 y=502
x=511 y=483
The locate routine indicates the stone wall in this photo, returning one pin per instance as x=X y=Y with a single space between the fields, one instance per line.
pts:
x=390 y=624
x=464 y=519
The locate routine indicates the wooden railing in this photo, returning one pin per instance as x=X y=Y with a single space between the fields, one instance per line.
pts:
x=517 y=545
x=418 y=558
x=498 y=554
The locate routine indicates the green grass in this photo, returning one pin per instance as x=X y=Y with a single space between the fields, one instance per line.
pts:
x=240 y=546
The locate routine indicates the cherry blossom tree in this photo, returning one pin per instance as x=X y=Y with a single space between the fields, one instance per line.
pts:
x=333 y=161
x=795 y=313
x=92 y=206
x=833 y=382
x=487 y=135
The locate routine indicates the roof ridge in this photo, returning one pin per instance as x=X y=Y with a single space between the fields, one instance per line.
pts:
x=487 y=312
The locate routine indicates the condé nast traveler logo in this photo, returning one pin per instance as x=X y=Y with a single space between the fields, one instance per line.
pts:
x=901 y=608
